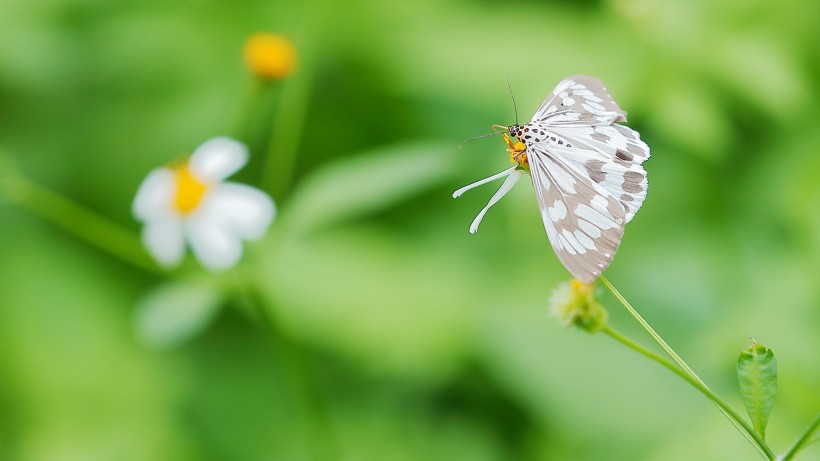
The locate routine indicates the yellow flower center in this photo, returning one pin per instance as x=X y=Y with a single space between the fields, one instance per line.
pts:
x=190 y=190
x=270 y=56
x=517 y=152
x=519 y=157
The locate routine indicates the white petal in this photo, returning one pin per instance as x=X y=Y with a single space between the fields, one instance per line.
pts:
x=155 y=195
x=464 y=189
x=502 y=191
x=214 y=245
x=163 y=239
x=246 y=210
x=218 y=158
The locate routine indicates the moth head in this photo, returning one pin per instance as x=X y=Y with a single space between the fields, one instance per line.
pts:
x=514 y=130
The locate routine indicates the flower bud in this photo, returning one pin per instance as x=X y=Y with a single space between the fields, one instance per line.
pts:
x=574 y=303
x=269 y=56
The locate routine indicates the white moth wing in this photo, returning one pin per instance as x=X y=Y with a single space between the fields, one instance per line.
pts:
x=584 y=223
x=616 y=141
x=579 y=100
x=612 y=156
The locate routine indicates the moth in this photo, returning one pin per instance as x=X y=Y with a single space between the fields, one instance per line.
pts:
x=585 y=167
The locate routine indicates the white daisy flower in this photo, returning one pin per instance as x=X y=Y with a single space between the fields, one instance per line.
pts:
x=191 y=202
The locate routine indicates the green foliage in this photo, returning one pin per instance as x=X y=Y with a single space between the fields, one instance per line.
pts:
x=176 y=311
x=399 y=335
x=366 y=184
x=757 y=375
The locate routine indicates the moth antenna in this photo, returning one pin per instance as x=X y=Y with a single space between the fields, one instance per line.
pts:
x=515 y=107
x=498 y=129
x=483 y=135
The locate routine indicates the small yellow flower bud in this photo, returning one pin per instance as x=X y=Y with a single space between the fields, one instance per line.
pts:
x=574 y=303
x=270 y=56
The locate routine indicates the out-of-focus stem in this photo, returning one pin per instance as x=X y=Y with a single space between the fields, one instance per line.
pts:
x=77 y=220
x=801 y=441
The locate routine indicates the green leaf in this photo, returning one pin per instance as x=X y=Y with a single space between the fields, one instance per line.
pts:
x=175 y=312
x=368 y=183
x=757 y=375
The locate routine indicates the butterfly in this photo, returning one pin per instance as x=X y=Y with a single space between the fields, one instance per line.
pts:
x=585 y=168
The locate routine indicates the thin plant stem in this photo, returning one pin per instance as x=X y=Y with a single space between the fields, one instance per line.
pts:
x=251 y=107
x=286 y=135
x=621 y=338
x=801 y=441
x=288 y=123
x=739 y=423
x=77 y=220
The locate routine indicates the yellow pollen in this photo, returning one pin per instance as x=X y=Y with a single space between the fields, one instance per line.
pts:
x=517 y=152
x=270 y=56
x=189 y=191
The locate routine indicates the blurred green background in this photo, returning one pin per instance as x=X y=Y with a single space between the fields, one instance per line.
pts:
x=394 y=334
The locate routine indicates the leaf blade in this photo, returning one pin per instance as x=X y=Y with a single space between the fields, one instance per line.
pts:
x=176 y=311
x=757 y=377
x=366 y=183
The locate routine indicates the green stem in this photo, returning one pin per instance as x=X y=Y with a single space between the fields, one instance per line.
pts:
x=249 y=108
x=733 y=417
x=801 y=441
x=614 y=334
x=289 y=119
x=77 y=220
x=674 y=369
x=286 y=135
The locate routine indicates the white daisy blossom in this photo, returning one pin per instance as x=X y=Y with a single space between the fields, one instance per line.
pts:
x=191 y=202
x=513 y=174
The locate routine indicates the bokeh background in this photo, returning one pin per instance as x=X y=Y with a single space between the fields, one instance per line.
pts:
x=368 y=324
